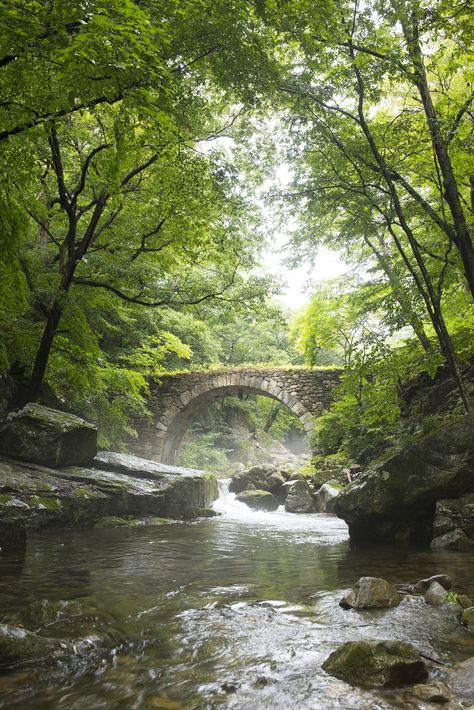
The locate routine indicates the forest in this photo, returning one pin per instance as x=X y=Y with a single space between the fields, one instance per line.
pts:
x=134 y=214
x=236 y=354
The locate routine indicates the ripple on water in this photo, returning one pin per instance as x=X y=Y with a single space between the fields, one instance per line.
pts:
x=236 y=611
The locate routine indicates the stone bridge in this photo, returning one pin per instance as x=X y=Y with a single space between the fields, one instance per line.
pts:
x=180 y=397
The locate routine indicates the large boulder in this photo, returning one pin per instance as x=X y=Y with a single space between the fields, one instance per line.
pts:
x=258 y=500
x=299 y=498
x=33 y=496
x=375 y=664
x=47 y=436
x=325 y=498
x=395 y=499
x=443 y=579
x=371 y=593
x=256 y=476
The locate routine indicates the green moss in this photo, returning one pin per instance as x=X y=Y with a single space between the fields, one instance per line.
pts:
x=53 y=505
x=84 y=493
x=5 y=499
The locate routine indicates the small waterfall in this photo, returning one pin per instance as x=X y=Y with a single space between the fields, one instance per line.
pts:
x=228 y=506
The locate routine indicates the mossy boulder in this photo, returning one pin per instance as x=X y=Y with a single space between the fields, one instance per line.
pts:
x=258 y=476
x=371 y=593
x=258 y=500
x=376 y=664
x=395 y=498
x=47 y=436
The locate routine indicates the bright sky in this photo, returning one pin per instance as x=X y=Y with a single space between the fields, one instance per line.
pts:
x=299 y=281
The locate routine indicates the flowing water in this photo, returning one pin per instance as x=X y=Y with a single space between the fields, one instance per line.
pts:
x=237 y=611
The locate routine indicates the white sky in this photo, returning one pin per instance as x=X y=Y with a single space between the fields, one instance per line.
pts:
x=297 y=292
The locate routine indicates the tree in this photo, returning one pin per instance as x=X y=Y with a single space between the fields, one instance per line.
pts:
x=386 y=159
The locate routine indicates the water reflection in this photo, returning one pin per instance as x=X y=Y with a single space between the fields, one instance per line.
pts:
x=237 y=611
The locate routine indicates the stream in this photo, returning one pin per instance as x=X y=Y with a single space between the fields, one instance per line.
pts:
x=237 y=611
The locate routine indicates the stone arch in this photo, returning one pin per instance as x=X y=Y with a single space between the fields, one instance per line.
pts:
x=175 y=420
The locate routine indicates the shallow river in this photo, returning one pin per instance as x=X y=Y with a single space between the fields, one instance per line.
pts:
x=237 y=612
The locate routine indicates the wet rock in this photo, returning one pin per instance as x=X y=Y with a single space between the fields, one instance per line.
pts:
x=435 y=692
x=258 y=500
x=435 y=595
x=324 y=499
x=82 y=496
x=299 y=498
x=443 y=579
x=467 y=618
x=138 y=467
x=230 y=686
x=257 y=476
x=47 y=436
x=395 y=498
x=372 y=664
x=18 y=644
x=461 y=679
x=454 y=514
x=371 y=593
x=453 y=540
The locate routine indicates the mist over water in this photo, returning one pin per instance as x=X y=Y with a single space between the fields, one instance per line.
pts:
x=237 y=611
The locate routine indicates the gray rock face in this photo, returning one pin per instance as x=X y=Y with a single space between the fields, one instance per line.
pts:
x=299 y=498
x=453 y=540
x=435 y=595
x=372 y=664
x=455 y=514
x=371 y=593
x=257 y=476
x=48 y=436
x=138 y=467
x=324 y=499
x=395 y=499
x=258 y=500
x=461 y=679
x=33 y=496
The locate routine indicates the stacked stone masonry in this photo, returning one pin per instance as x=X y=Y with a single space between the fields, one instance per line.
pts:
x=180 y=397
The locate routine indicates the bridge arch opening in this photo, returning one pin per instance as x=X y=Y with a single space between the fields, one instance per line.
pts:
x=174 y=423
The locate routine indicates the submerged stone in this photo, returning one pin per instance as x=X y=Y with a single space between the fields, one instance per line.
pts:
x=372 y=664
x=17 y=644
x=47 y=436
x=371 y=593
